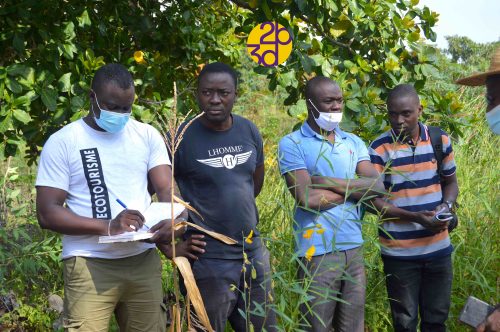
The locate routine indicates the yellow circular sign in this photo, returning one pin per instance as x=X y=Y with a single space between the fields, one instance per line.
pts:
x=269 y=44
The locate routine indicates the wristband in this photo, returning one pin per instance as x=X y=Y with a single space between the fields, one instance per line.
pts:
x=109 y=226
x=450 y=204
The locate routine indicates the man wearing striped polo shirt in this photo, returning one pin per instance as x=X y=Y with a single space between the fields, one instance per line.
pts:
x=416 y=248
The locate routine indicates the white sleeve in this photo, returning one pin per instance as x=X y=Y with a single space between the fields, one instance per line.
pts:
x=158 y=154
x=53 y=168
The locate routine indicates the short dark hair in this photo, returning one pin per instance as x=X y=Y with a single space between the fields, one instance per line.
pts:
x=219 y=67
x=314 y=82
x=402 y=90
x=112 y=72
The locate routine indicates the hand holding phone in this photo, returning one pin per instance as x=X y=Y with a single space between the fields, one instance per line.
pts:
x=445 y=216
x=441 y=215
x=474 y=312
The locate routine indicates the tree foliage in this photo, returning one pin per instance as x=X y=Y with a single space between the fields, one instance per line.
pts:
x=464 y=50
x=50 y=49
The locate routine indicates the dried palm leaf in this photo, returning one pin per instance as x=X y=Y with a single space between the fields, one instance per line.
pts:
x=221 y=237
x=187 y=206
x=193 y=291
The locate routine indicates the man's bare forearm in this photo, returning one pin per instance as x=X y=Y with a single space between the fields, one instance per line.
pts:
x=350 y=188
x=320 y=199
x=388 y=210
x=62 y=220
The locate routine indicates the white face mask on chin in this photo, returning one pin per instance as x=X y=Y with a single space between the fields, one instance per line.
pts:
x=327 y=121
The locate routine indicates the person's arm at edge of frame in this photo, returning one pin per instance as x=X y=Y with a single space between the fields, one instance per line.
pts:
x=492 y=322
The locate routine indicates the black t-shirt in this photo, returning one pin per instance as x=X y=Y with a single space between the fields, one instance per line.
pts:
x=214 y=171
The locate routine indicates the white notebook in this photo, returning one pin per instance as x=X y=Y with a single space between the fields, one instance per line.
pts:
x=155 y=213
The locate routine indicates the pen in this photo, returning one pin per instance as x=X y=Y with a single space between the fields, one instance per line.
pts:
x=121 y=203
x=124 y=206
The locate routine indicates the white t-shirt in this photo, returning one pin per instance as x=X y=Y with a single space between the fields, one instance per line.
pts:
x=95 y=168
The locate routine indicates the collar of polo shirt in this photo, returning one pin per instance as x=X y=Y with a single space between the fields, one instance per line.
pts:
x=307 y=131
x=424 y=136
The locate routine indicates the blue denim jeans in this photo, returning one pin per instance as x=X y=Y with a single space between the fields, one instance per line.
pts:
x=415 y=287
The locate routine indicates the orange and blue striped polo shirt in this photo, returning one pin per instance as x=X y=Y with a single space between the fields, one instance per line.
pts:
x=410 y=174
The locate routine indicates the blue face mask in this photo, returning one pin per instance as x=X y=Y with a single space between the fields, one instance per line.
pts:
x=493 y=118
x=112 y=122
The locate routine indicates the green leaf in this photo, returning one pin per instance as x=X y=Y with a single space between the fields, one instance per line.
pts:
x=287 y=79
x=317 y=58
x=326 y=69
x=429 y=70
x=69 y=31
x=145 y=114
x=17 y=70
x=301 y=4
x=262 y=70
x=347 y=123
x=340 y=27
x=307 y=63
x=26 y=99
x=84 y=19
x=14 y=193
x=49 y=98
x=65 y=82
x=68 y=50
x=298 y=109
x=58 y=115
x=331 y=5
x=18 y=43
x=14 y=86
x=354 y=105
x=266 y=10
x=77 y=103
x=5 y=124
x=414 y=36
x=28 y=78
x=77 y=115
x=45 y=78
x=22 y=116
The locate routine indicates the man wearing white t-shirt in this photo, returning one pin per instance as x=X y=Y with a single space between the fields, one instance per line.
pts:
x=84 y=168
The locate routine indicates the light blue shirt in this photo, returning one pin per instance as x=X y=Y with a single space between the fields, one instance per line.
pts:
x=306 y=149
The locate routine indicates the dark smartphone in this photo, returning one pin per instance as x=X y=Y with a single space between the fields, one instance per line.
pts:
x=475 y=311
x=444 y=216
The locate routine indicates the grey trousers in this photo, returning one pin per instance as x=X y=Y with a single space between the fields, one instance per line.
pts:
x=335 y=285
x=231 y=292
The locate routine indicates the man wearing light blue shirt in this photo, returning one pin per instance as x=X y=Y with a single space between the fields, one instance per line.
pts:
x=321 y=164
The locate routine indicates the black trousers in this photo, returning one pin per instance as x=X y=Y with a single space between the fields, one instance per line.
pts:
x=417 y=287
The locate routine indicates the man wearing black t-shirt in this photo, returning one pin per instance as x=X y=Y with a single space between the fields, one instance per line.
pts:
x=219 y=171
